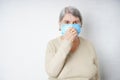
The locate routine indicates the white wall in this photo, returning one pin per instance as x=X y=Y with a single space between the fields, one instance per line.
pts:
x=26 y=26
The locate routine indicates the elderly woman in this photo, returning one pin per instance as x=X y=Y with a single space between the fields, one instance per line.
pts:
x=70 y=57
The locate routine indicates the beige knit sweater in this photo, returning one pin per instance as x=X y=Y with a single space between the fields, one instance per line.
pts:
x=62 y=65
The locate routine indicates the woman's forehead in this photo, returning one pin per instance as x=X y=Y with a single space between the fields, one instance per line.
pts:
x=70 y=17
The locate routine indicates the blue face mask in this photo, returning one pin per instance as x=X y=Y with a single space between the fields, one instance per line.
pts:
x=64 y=28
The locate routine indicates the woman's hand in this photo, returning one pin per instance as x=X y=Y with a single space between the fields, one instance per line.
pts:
x=70 y=34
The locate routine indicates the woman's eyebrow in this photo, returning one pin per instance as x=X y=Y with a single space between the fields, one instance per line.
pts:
x=66 y=21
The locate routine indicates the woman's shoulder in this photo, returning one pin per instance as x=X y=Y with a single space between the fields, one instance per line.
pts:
x=54 y=40
x=89 y=45
x=87 y=42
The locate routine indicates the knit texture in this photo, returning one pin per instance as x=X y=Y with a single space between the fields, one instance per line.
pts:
x=60 y=64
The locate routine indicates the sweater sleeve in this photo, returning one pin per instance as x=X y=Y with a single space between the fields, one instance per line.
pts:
x=95 y=61
x=97 y=76
x=54 y=60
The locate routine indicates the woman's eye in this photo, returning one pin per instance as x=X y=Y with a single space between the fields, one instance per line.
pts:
x=67 y=22
x=75 y=22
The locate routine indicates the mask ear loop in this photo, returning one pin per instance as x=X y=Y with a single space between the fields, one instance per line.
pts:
x=59 y=29
x=59 y=26
x=82 y=29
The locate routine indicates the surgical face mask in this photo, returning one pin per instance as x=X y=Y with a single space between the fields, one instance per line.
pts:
x=65 y=27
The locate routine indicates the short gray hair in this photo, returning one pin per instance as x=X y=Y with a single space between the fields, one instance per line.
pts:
x=72 y=10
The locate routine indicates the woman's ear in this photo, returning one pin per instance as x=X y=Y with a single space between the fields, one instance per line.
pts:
x=59 y=26
x=59 y=29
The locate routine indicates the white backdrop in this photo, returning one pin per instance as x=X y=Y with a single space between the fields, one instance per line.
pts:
x=26 y=26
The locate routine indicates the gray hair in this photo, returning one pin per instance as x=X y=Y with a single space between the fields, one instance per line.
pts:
x=72 y=10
